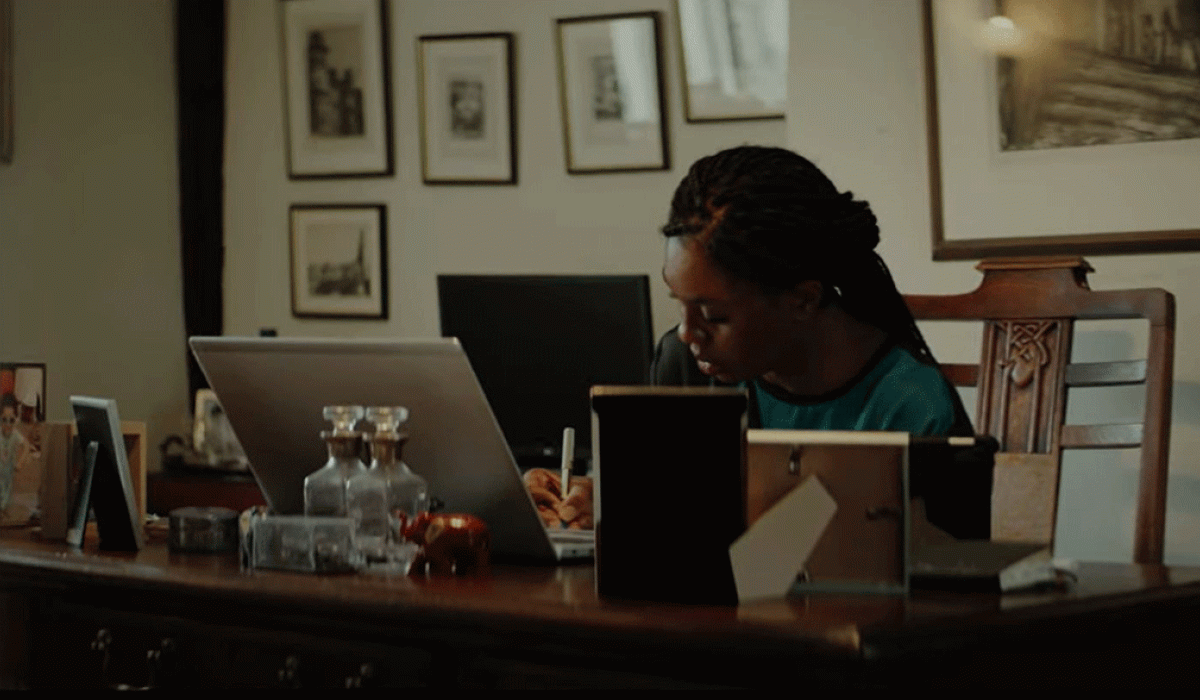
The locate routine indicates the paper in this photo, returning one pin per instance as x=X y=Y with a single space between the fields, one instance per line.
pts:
x=775 y=548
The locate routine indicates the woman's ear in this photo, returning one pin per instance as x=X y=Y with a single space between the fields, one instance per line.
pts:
x=806 y=298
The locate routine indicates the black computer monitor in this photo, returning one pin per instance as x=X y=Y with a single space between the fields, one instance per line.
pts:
x=538 y=343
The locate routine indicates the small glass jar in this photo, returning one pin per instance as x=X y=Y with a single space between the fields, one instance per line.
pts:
x=325 y=489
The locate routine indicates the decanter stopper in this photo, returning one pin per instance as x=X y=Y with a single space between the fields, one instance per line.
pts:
x=344 y=418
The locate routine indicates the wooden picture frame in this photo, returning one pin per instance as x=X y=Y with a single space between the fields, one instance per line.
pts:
x=613 y=103
x=468 y=109
x=337 y=88
x=1087 y=200
x=733 y=59
x=339 y=261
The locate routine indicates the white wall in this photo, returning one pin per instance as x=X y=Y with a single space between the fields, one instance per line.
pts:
x=89 y=233
x=550 y=222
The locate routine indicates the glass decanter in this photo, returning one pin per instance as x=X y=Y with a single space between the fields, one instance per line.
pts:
x=325 y=489
x=407 y=493
x=367 y=504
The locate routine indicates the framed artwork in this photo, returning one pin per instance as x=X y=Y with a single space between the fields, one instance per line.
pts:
x=6 y=81
x=468 y=109
x=734 y=57
x=1062 y=128
x=611 y=85
x=22 y=415
x=336 y=88
x=338 y=257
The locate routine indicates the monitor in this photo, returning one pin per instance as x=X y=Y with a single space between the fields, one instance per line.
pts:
x=538 y=343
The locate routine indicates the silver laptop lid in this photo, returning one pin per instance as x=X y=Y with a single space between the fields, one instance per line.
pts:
x=273 y=390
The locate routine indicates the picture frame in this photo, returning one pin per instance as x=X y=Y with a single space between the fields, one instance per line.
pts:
x=1123 y=198
x=108 y=479
x=733 y=58
x=339 y=261
x=614 y=108
x=337 y=88
x=468 y=109
x=7 y=35
x=22 y=418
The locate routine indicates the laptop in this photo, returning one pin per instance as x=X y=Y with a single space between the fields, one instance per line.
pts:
x=273 y=391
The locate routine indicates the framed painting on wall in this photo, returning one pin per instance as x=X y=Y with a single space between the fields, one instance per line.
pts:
x=6 y=80
x=611 y=86
x=1062 y=127
x=336 y=88
x=735 y=55
x=339 y=261
x=468 y=109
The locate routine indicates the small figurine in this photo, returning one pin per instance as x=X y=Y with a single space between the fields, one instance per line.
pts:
x=450 y=543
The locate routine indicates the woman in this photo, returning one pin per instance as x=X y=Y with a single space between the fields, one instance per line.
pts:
x=781 y=290
x=782 y=293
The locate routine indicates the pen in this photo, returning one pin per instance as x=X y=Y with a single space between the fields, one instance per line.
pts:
x=568 y=455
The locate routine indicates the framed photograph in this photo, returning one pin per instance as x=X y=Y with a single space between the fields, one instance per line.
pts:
x=734 y=57
x=22 y=415
x=468 y=109
x=6 y=81
x=339 y=261
x=336 y=88
x=611 y=85
x=1062 y=128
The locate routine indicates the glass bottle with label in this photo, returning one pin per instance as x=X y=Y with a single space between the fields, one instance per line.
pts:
x=407 y=493
x=325 y=489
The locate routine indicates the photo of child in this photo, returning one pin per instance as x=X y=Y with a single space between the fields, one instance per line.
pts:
x=22 y=412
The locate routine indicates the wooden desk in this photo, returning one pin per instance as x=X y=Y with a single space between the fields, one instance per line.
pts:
x=543 y=626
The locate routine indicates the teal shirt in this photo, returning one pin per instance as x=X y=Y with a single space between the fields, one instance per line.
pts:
x=897 y=393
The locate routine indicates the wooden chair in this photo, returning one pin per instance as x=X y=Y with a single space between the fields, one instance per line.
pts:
x=1028 y=308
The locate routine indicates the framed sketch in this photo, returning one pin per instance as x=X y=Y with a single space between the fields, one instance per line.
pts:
x=1062 y=128
x=336 y=88
x=6 y=81
x=339 y=254
x=734 y=57
x=468 y=109
x=611 y=85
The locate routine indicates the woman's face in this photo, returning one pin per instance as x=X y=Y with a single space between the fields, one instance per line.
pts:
x=8 y=418
x=736 y=331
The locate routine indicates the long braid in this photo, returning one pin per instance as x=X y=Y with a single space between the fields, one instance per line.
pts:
x=770 y=216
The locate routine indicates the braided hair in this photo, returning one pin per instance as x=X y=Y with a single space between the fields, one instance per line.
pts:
x=769 y=216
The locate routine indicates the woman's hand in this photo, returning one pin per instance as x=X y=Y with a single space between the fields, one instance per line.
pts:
x=574 y=510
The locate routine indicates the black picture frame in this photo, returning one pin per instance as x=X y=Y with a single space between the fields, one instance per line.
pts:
x=337 y=88
x=610 y=127
x=468 y=109
x=338 y=256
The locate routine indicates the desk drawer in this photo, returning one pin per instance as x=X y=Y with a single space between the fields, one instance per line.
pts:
x=107 y=648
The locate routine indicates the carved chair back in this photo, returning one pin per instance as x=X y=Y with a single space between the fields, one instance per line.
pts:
x=1028 y=308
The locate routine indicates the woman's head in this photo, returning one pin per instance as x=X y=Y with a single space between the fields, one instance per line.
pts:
x=765 y=224
x=769 y=216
